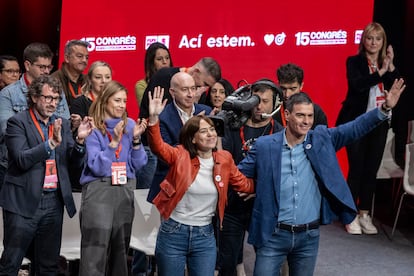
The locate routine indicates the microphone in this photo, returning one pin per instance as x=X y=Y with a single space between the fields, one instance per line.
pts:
x=268 y=115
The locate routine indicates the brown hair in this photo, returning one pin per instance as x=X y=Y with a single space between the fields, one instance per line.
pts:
x=188 y=132
x=97 y=109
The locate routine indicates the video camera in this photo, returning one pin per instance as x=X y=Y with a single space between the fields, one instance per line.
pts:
x=236 y=109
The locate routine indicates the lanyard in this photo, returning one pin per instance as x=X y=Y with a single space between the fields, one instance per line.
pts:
x=245 y=148
x=118 y=150
x=72 y=91
x=282 y=115
x=39 y=129
x=91 y=96
x=372 y=69
x=26 y=80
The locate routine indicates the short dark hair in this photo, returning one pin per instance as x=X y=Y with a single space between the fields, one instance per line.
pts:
x=264 y=84
x=35 y=50
x=35 y=88
x=212 y=67
x=4 y=58
x=289 y=73
x=298 y=98
x=188 y=132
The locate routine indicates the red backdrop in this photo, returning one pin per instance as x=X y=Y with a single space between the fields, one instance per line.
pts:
x=248 y=39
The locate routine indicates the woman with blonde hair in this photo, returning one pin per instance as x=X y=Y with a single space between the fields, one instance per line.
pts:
x=369 y=73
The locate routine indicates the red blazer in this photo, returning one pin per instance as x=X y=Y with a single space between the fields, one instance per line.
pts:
x=183 y=171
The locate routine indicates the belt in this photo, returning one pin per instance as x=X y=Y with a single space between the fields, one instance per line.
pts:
x=298 y=227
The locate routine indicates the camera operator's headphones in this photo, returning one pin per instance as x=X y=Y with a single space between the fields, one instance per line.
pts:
x=277 y=92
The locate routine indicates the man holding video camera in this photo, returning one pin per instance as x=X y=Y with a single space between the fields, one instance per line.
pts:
x=238 y=142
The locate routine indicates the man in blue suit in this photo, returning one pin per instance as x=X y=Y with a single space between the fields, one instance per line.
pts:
x=299 y=184
x=183 y=107
x=37 y=186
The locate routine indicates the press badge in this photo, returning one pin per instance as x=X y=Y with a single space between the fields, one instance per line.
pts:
x=119 y=173
x=51 y=178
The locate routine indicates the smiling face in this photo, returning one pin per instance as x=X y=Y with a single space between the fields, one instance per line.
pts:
x=205 y=138
x=116 y=105
x=217 y=95
x=373 y=42
x=300 y=120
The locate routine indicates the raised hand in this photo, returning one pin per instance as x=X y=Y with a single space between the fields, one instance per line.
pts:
x=392 y=96
x=118 y=131
x=84 y=129
x=390 y=56
x=156 y=104
x=75 y=120
x=57 y=132
x=140 y=127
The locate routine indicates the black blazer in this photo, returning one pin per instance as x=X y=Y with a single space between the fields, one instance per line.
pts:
x=22 y=188
x=360 y=80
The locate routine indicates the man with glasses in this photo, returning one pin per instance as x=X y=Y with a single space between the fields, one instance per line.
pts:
x=9 y=70
x=37 y=186
x=37 y=61
x=183 y=92
x=71 y=73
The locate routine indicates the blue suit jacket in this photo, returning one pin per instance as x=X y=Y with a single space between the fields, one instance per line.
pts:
x=23 y=185
x=263 y=163
x=170 y=126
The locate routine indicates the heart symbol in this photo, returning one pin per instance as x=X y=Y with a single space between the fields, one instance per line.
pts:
x=268 y=38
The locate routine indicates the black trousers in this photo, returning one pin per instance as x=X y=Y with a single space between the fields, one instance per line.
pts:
x=364 y=159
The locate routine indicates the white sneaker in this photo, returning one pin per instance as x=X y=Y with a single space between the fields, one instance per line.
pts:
x=366 y=225
x=354 y=227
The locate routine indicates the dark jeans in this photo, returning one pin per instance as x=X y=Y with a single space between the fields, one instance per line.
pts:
x=44 y=229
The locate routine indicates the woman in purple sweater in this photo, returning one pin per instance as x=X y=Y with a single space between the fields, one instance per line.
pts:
x=114 y=153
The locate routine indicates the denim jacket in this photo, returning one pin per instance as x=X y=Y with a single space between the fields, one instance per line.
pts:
x=13 y=99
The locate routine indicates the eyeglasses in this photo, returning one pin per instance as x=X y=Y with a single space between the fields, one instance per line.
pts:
x=43 y=67
x=49 y=99
x=11 y=71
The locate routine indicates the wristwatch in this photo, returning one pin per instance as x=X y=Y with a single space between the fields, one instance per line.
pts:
x=136 y=143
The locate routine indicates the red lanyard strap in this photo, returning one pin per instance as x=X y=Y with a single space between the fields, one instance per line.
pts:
x=39 y=129
x=72 y=91
x=118 y=150
x=243 y=139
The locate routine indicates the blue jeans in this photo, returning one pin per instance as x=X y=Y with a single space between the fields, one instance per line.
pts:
x=179 y=245
x=300 y=249
x=44 y=229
